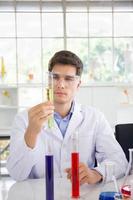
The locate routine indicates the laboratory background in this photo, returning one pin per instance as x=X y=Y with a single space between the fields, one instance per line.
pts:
x=100 y=32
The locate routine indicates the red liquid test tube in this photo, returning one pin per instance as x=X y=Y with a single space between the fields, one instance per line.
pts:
x=75 y=174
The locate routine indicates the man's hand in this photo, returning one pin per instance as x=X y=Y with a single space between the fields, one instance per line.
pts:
x=37 y=115
x=86 y=175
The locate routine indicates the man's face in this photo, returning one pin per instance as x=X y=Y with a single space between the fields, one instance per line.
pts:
x=66 y=83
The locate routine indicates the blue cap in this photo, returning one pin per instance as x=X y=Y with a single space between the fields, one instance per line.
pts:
x=107 y=196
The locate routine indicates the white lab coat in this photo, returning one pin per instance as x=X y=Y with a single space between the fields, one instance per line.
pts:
x=96 y=139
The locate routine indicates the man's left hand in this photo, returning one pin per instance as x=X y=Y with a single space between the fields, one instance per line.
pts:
x=86 y=175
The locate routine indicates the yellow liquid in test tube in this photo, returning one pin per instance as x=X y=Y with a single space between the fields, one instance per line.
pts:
x=50 y=97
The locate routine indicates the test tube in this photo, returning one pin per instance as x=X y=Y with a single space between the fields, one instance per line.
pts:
x=49 y=94
x=75 y=167
x=49 y=172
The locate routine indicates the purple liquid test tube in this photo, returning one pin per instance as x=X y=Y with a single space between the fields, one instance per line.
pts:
x=49 y=170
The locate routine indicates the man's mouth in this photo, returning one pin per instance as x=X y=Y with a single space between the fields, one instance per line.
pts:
x=60 y=93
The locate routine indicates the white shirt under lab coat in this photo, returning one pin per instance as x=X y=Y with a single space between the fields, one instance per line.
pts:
x=96 y=140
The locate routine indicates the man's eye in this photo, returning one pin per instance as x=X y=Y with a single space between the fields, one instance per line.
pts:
x=55 y=77
x=69 y=78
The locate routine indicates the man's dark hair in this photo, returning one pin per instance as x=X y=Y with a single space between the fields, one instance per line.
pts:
x=66 y=58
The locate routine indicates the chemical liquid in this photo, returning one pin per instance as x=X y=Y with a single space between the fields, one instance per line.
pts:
x=75 y=174
x=50 y=98
x=49 y=177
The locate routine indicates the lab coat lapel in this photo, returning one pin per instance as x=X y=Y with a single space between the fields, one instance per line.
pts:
x=55 y=131
x=75 y=122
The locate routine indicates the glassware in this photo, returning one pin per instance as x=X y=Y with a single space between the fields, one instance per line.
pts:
x=118 y=196
x=6 y=97
x=75 y=166
x=49 y=171
x=30 y=75
x=127 y=186
x=49 y=96
x=109 y=190
x=3 y=70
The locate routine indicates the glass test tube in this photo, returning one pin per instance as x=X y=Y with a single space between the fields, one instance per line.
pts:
x=49 y=94
x=75 y=167
x=49 y=171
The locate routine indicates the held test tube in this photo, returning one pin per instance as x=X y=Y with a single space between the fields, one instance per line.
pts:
x=49 y=94
x=49 y=171
x=75 y=167
x=50 y=98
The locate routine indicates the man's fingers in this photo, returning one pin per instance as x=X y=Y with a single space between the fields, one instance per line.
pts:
x=69 y=174
x=67 y=170
x=41 y=105
x=83 y=180
x=45 y=114
x=81 y=169
x=82 y=174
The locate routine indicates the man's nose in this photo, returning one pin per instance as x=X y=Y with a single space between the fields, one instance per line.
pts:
x=61 y=83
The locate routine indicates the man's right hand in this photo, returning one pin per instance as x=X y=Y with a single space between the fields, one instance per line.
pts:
x=38 y=116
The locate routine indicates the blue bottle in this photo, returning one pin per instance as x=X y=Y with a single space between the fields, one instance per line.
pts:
x=107 y=196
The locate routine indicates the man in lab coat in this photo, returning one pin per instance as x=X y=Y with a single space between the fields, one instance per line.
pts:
x=30 y=131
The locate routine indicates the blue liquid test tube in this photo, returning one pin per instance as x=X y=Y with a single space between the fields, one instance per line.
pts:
x=49 y=170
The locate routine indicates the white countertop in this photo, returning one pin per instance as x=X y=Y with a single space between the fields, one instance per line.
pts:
x=34 y=189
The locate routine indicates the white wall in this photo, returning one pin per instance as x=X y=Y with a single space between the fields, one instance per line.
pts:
x=111 y=100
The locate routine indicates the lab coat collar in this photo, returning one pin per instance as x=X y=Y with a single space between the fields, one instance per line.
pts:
x=75 y=122
x=55 y=131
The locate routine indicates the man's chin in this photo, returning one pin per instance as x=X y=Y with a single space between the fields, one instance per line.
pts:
x=60 y=101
